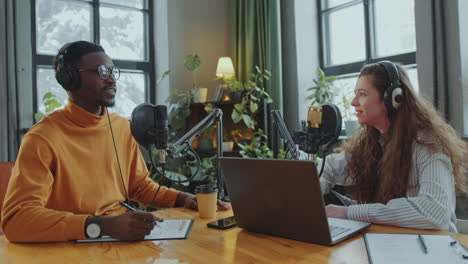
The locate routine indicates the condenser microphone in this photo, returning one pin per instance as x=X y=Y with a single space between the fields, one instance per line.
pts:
x=322 y=129
x=149 y=125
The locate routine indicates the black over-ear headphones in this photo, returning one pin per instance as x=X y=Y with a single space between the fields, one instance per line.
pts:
x=66 y=75
x=393 y=95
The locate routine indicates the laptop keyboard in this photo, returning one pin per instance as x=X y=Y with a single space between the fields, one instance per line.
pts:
x=337 y=230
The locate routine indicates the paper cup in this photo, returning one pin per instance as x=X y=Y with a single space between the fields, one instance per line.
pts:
x=207 y=197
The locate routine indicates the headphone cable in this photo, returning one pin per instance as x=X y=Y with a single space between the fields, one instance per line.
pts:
x=127 y=201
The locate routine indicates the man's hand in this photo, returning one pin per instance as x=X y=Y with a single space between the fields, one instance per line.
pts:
x=129 y=226
x=189 y=200
x=336 y=211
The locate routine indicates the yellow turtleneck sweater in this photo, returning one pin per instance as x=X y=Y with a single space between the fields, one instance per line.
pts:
x=67 y=170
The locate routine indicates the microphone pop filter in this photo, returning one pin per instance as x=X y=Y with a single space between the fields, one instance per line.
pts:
x=142 y=121
x=331 y=124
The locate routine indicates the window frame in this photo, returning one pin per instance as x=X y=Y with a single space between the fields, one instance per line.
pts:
x=408 y=58
x=146 y=66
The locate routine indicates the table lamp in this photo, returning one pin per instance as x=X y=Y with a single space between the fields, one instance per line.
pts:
x=225 y=68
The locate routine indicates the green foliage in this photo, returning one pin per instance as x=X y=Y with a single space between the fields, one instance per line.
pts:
x=207 y=173
x=192 y=63
x=232 y=84
x=164 y=75
x=347 y=113
x=50 y=102
x=283 y=154
x=323 y=89
x=236 y=135
x=253 y=98
x=257 y=148
x=208 y=170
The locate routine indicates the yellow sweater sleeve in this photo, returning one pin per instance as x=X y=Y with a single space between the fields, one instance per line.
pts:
x=25 y=217
x=142 y=188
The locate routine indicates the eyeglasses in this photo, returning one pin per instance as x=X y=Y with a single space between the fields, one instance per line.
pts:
x=104 y=72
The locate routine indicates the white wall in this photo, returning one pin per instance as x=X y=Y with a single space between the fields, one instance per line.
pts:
x=202 y=27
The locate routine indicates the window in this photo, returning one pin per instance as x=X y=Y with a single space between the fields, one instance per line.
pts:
x=357 y=32
x=122 y=27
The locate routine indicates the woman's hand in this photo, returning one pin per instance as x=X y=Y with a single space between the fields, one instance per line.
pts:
x=336 y=211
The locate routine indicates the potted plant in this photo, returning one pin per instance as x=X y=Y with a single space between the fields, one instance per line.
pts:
x=323 y=90
x=234 y=88
x=192 y=63
x=228 y=139
x=350 y=125
x=252 y=99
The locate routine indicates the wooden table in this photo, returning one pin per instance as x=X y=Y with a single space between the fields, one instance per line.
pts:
x=204 y=245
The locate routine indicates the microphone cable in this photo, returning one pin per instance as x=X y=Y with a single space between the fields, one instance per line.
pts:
x=323 y=164
x=163 y=172
x=117 y=156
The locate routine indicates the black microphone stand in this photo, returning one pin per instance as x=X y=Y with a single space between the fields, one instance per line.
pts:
x=284 y=133
x=185 y=142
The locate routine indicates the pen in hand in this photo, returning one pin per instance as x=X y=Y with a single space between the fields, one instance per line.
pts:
x=130 y=208
x=423 y=243
x=124 y=204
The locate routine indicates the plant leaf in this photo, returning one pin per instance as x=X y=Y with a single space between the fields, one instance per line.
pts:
x=236 y=117
x=238 y=107
x=248 y=121
x=192 y=62
x=253 y=107
x=38 y=116
x=48 y=95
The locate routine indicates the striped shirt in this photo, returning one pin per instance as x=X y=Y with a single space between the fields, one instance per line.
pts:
x=429 y=202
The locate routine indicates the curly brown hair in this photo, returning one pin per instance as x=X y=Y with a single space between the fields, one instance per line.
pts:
x=381 y=174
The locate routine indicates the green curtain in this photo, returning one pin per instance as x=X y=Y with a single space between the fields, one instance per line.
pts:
x=257 y=42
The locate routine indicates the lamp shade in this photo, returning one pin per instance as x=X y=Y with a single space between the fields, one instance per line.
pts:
x=225 y=67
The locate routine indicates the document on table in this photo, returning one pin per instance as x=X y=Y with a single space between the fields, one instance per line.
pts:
x=167 y=229
x=409 y=248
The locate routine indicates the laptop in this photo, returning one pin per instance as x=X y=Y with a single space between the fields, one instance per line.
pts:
x=283 y=198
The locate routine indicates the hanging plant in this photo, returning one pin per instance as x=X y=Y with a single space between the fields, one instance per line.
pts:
x=254 y=96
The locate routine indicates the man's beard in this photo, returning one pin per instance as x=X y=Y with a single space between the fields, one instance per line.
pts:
x=105 y=100
x=104 y=103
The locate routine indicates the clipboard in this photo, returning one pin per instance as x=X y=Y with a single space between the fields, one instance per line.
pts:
x=165 y=230
x=408 y=248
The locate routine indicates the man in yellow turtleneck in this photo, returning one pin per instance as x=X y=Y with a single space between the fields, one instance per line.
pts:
x=66 y=183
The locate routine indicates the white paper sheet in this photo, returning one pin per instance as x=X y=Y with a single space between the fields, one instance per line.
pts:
x=406 y=248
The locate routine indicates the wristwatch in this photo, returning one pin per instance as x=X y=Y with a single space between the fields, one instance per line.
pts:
x=93 y=227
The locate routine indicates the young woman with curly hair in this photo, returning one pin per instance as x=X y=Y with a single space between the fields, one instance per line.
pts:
x=404 y=164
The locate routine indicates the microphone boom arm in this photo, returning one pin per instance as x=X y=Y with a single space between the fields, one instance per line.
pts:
x=186 y=140
x=284 y=133
x=184 y=143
